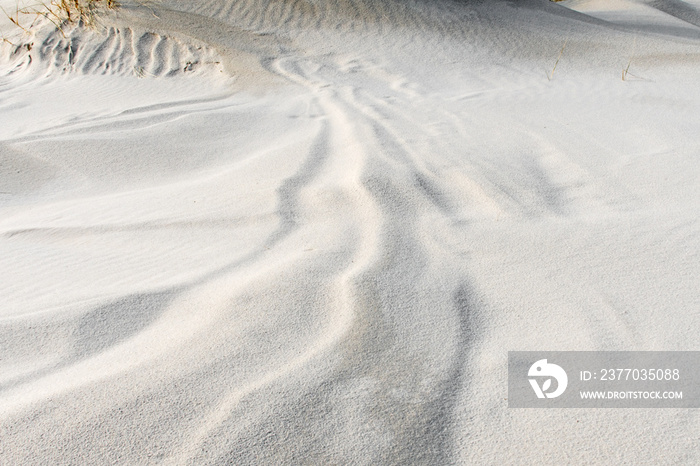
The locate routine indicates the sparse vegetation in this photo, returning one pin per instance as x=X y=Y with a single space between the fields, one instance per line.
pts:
x=59 y=12
x=79 y=10
x=84 y=30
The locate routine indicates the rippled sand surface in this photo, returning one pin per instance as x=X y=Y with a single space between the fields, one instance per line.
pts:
x=309 y=232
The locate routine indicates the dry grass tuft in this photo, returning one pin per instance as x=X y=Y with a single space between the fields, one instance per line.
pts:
x=79 y=10
x=60 y=12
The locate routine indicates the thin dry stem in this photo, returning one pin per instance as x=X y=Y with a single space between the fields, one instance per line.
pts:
x=15 y=19
x=626 y=70
x=549 y=75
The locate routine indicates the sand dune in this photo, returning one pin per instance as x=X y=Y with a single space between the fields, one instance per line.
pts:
x=308 y=232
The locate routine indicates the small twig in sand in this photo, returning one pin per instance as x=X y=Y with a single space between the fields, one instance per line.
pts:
x=561 y=52
x=626 y=72
x=634 y=49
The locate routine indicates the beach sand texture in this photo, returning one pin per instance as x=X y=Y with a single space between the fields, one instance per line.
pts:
x=309 y=231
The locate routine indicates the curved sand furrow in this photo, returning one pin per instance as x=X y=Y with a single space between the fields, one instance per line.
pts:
x=326 y=260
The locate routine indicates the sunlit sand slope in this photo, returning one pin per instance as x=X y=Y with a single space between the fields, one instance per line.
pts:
x=308 y=232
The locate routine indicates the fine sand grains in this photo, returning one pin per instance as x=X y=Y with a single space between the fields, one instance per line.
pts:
x=308 y=232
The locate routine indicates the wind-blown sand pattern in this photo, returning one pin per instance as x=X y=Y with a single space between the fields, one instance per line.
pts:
x=308 y=232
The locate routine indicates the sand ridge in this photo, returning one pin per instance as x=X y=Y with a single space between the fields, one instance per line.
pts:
x=320 y=249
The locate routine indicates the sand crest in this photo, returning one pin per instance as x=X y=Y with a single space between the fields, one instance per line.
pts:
x=308 y=232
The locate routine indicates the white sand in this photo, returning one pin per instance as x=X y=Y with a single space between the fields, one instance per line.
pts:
x=308 y=231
